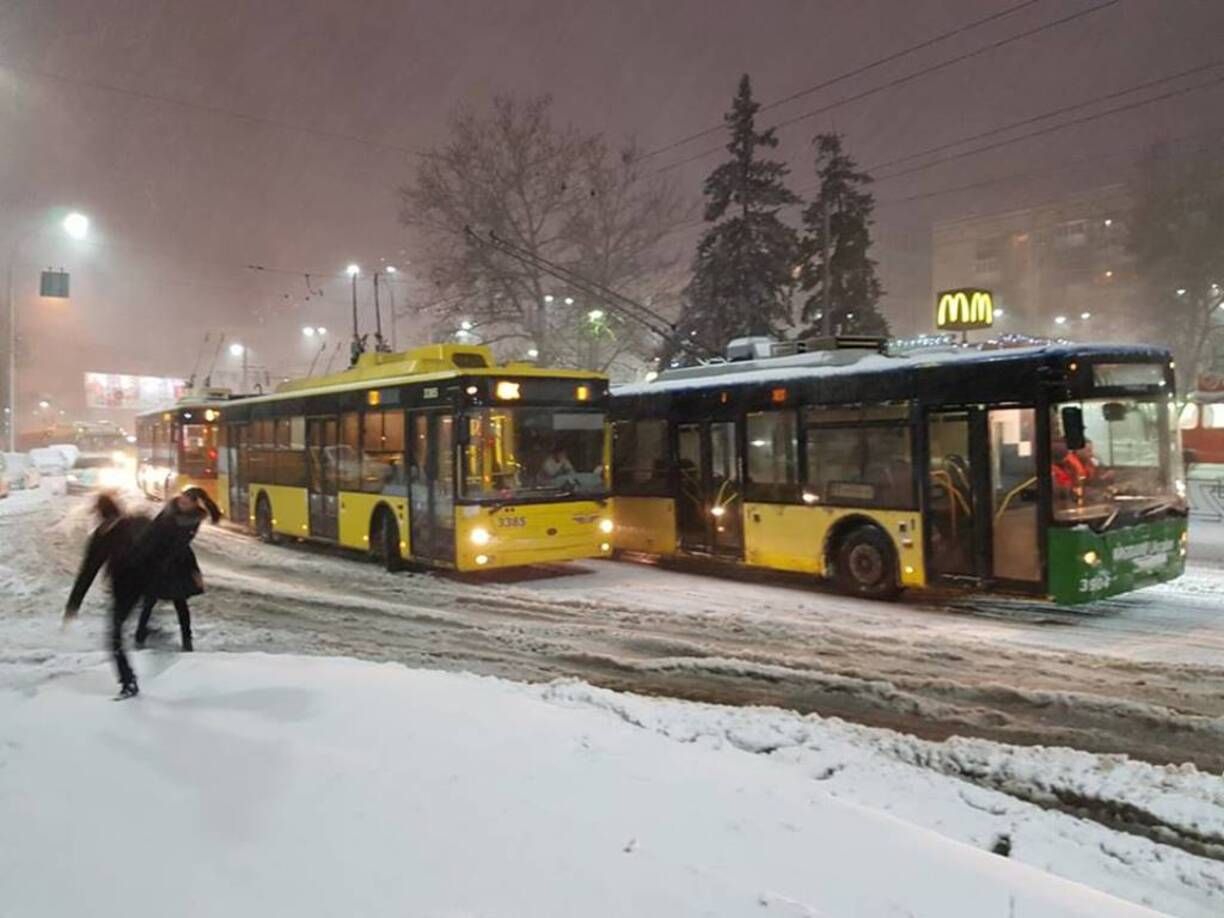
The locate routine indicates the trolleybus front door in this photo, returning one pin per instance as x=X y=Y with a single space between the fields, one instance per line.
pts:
x=431 y=486
x=982 y=496
x=711 y=488
x=323 y=451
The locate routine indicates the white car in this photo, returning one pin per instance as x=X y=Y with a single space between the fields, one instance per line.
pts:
x=21 y=471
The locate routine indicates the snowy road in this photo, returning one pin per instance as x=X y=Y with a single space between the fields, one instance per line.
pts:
x=1141 y=675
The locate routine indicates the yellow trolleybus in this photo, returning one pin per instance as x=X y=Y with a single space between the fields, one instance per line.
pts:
x=1048 y=470
x=176 y=448
x=436 y=455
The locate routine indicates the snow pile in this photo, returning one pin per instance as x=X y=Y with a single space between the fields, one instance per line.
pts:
x=252 y=784
x=984 y=793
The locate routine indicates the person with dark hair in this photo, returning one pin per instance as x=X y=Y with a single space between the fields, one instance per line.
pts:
x=112 y=545
x=174 y=572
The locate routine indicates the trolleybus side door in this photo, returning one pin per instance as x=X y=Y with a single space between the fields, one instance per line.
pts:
x=322 y=450
x=709 y=512
x=237 y=452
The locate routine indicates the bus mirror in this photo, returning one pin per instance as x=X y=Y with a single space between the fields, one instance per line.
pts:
x=1073 y=427
x=1114 y=411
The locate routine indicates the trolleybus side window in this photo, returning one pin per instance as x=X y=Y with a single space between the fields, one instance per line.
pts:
x=382 y=454
x=290 y=461
x=349 y=452
x=773 y=456
x=859 y=456
x=639 y=457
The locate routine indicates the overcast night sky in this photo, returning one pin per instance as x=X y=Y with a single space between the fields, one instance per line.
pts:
x=252 y=167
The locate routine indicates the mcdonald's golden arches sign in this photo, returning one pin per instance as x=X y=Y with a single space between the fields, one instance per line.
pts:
x=964 y=309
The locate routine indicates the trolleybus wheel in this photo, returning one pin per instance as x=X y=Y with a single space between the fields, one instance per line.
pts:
x=385 y=541
x=263 y=520
x=866 y=564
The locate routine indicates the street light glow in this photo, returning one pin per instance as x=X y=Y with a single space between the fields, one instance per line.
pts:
x=569 y=301
x=236 y=349
x=44 y=404
x=1060 y=320
x=533 y=352
x=353 y=270
x=391 y=269
x=465 y=325
x=548 y=298
x=595 y=315
x=321 y=330
x=308 y=331
x=1085 y=315
x=76 y=225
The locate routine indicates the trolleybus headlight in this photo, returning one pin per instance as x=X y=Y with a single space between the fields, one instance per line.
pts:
x=1091 y=558
x=482 y=559
x=606 y=526
x=605 y=547
x=479 y=536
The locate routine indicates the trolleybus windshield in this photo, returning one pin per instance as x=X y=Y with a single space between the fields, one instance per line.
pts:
x=1128 y=463
x=517 y=453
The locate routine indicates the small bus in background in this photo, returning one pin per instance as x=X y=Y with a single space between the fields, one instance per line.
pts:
x=177 y=448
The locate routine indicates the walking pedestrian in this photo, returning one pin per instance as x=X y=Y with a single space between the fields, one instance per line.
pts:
x=112 y=544
x=174 y=571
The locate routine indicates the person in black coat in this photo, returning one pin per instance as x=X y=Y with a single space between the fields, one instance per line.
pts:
x=113 y=545
x=174 y=573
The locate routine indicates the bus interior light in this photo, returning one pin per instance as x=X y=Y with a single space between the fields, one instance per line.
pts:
x=777 y=396
x=507 y=390
x=810 y=498
x=471 y=390
x=373 y=397
x=210 y=414
x=583 y=393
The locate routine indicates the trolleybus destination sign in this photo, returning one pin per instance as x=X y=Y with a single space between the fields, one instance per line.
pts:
x=964 y=309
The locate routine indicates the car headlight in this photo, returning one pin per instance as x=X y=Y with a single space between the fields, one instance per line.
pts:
x=479 y=536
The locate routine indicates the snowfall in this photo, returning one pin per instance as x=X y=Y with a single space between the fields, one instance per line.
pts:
x=326 y=779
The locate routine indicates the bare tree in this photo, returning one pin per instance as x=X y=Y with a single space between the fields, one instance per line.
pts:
x=556 y=193
x=1177 y=236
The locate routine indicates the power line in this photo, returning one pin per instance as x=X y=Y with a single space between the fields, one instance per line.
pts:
x=147 y=96
x=1047 y=115
x=915 y=75
x=1075 y=122
x=857 y=71
x=1129 y=153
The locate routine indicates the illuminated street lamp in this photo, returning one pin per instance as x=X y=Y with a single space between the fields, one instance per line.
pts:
x=308 y=331
x=595 y=315
x=1060 y=320
x=76 y=225
x=236 y=349
x=1085 y=316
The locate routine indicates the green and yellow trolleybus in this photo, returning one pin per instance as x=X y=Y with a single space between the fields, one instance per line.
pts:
x=1051 y=470
x=436 y=455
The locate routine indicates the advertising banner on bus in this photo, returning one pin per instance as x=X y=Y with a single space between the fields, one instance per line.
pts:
x=131 y=393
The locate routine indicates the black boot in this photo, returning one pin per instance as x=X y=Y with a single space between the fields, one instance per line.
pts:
x=128 y=690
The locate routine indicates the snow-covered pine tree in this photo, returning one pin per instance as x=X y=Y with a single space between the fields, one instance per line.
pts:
x=845 y=207
x=742 y=273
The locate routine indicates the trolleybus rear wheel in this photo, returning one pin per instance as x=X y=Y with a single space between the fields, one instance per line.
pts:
x=866 y=564
x=385 y=541
x=263 y=520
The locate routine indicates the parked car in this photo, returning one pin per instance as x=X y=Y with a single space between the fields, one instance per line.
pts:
x=89 y=472
x=49 y=461
x=22 y=473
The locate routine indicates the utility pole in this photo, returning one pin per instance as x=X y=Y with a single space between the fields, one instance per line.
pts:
x=826 y=315
x=379 y=345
